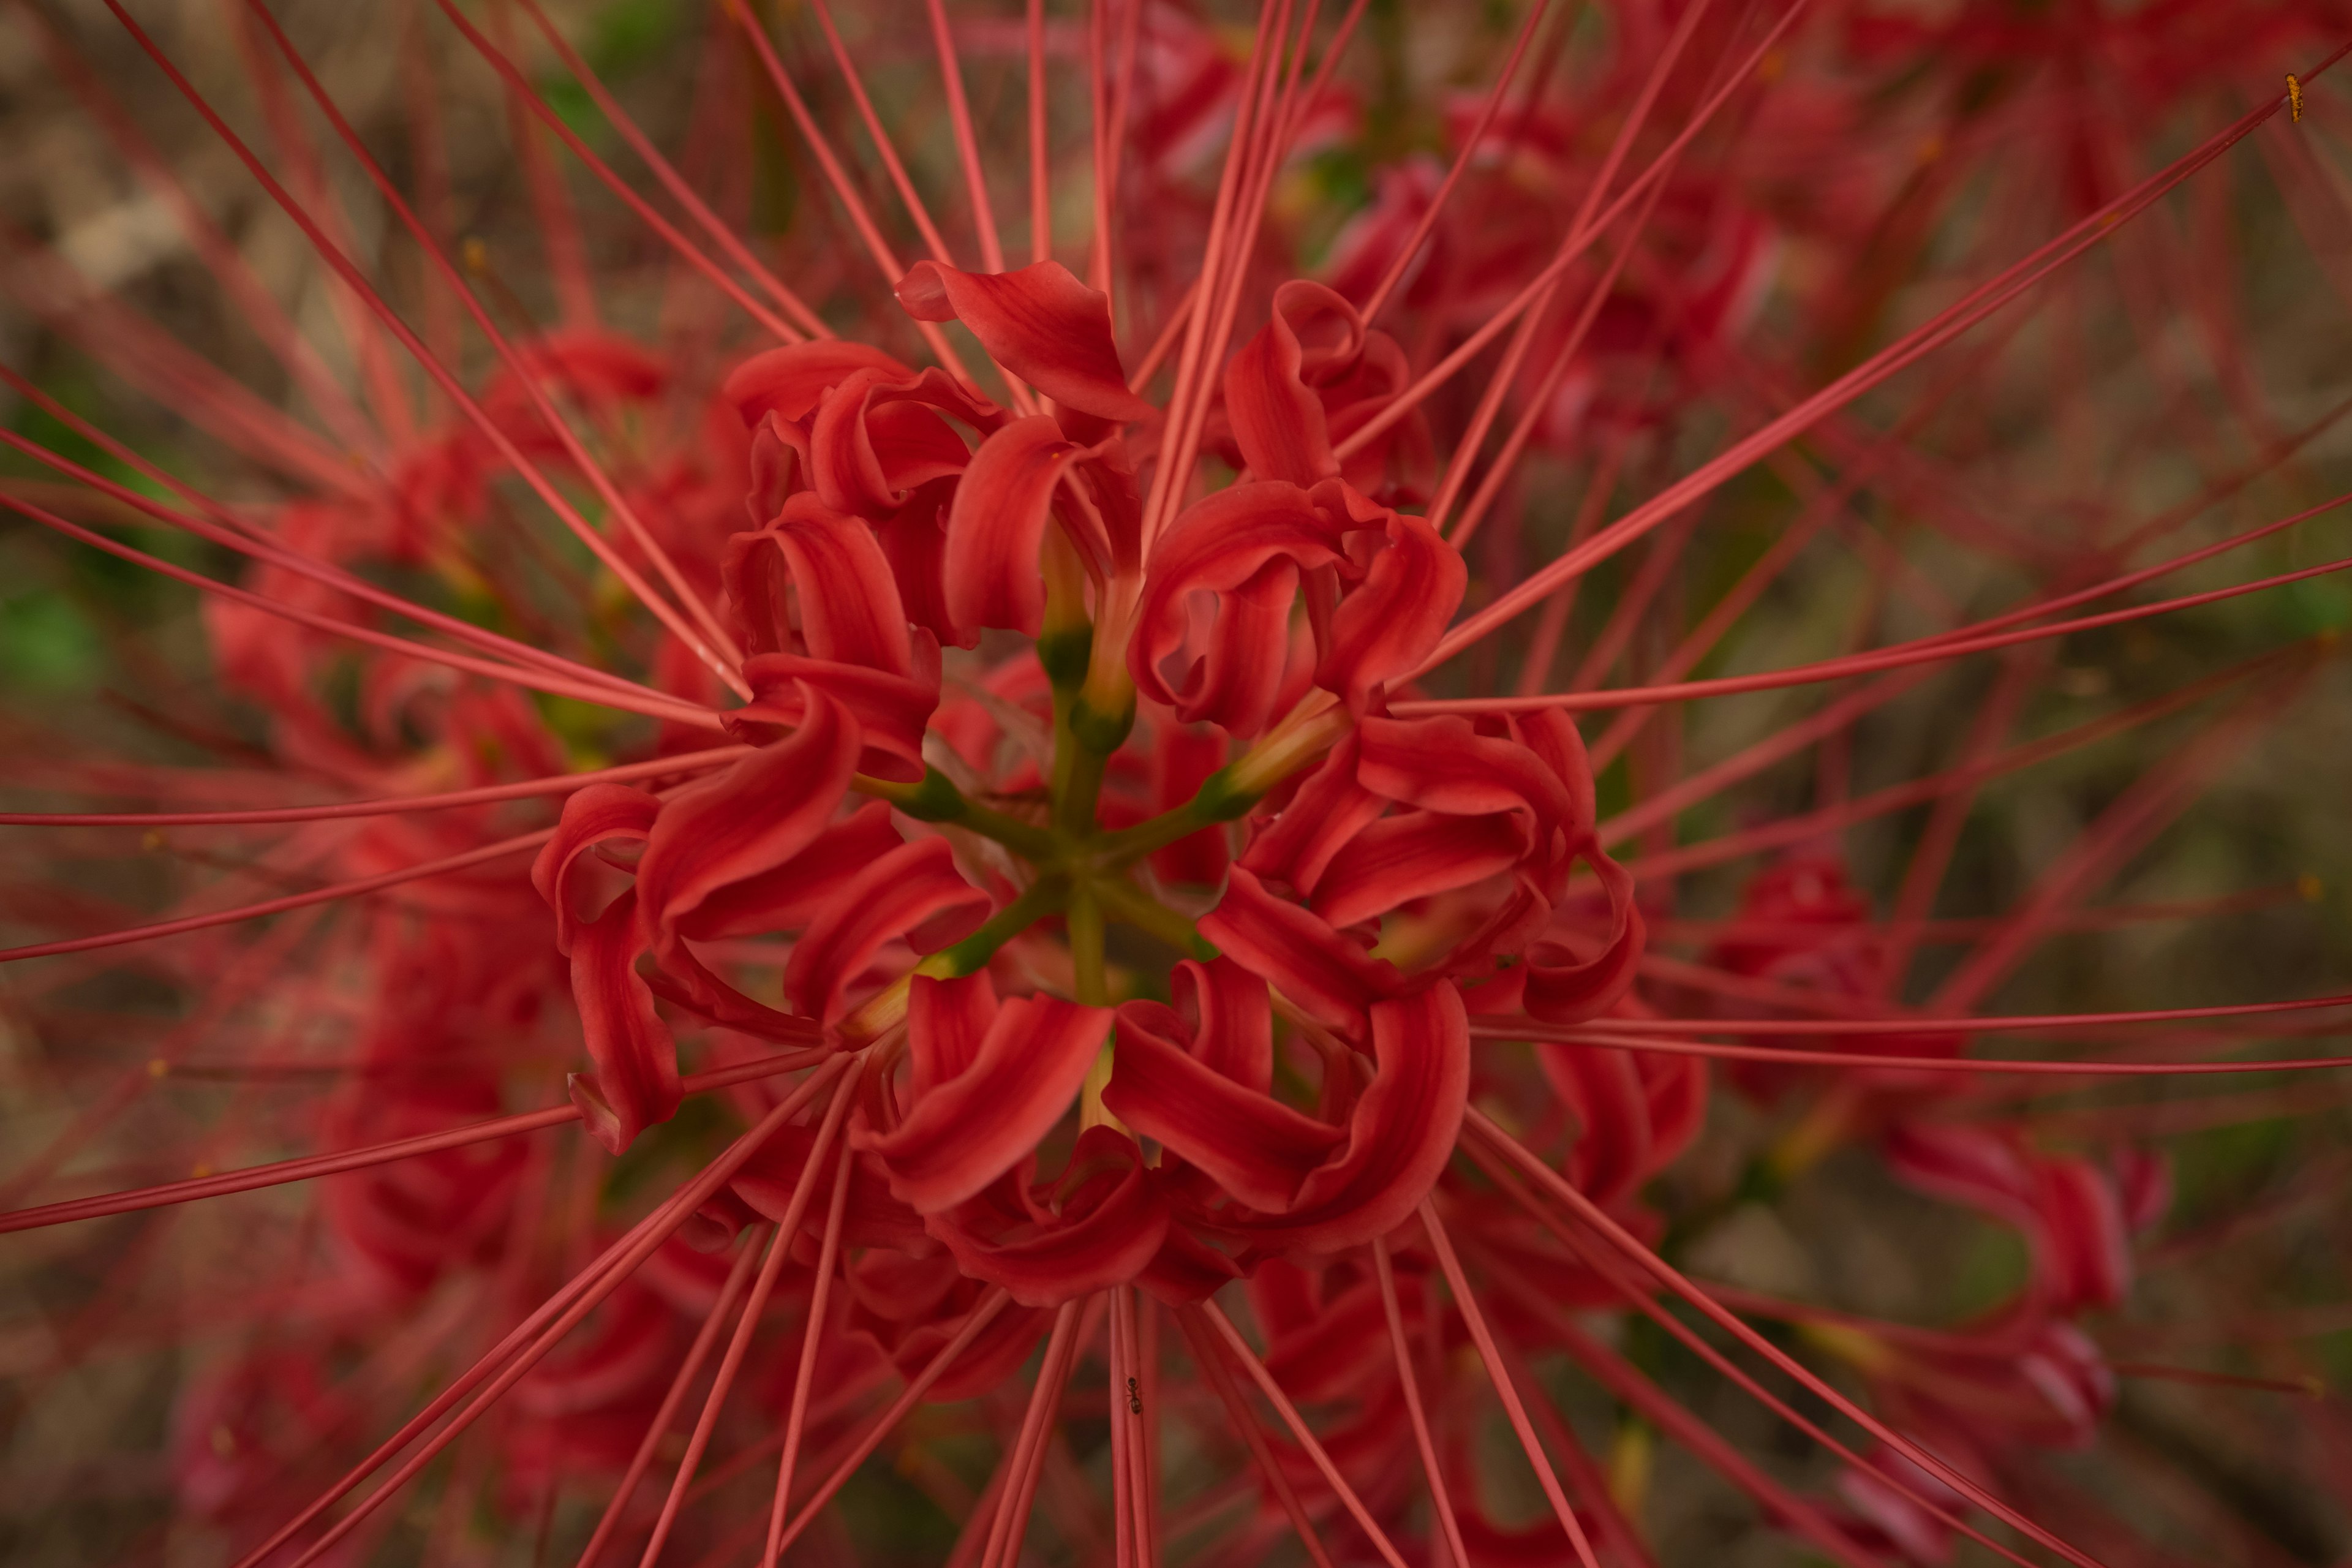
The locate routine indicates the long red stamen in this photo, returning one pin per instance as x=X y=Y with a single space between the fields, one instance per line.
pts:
x=1240 y=1351
x=1467 y=1303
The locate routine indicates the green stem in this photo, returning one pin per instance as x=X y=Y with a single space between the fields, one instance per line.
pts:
x=1084 y=917
x=935 y=799
x=1215 y=802
x=1130 y=906
x=1041 y=897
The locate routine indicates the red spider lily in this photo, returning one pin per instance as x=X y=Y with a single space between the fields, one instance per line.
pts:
x=1076 y=815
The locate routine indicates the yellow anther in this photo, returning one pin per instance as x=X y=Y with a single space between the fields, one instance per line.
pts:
x=2310 y=887
x=1632 y=1456
x=157 y=1066
x=199 y=1170
x=473 y=254
x=1848 y=1345
x=2293 y=99
x=152 y=840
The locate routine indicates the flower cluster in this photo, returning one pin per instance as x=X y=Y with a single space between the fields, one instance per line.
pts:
x=1019 y=804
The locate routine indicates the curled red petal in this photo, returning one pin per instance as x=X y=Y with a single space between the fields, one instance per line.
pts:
x=848 y=599
x=1245 y=542
x=893 y=712
x=966 y=1133
x=914 y=540
x=1331 y=978
x=601 y=814
x=1252 y=1145
x=1603 y=1090
x=1039 y=323
x=997 y=523
x=914 y=892
x=1182 y=758
x=1401 y=1133
x=1106 y=1232
x=1388 y=622
x=745 y=822
x=1278 y=420
x=1564 y=985
x=946 y=1022
x=874 y=438
x=790 y=381
x=788 y=896
x=634 y=1082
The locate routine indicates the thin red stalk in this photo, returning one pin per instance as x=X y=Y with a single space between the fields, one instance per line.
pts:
x=1177 y=321
x=560 y=242
x=779 y=1250
x=1126 y=1414
x=387 y=397
x=983 y=215
x=837 y=178
x=1543 y=644
x=1898 y=656
x=255 y=305
x=1538 y=402
x=672 y=1214
x=1428 y=220
x=1615 y=1532
x=1239 y=1349
x=1190 y=375
x=1539 y=288
x=530 y=789
x=214 y=522
x=1123 y=1501
x=2307 y=1386
x=719 y=652
x=1824 y=507
x=1946 y=324
x=983 y=1313
x=1267 y=146
x=657 y=1428
x=520 y=91
x=429 y=154
x=1601 y=1263
x=1631 y=612
x=721 y=234
x=1777 y=746
x=349 y=272
x=1950 y=782
x=1010 y=1523
x=2105 y=916
x=1627 y=1384
x=1490 y=401
x=812 y=1340
x=1237 y=1414
x=228 y=988
x=278 y=1173
x=1041 y=195
x=1590 y=1216
x=2121 y=829
x=655 y=1227
x=333 y=891
x=978 y=1524
x=489 y=668
x=1258 y=121
x=2022 y=1067
x=1441 y=1501
x=1499 y=1375
x=183 y=382
x=879 y=135
x=2006 y=1023
x=1099 y=167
